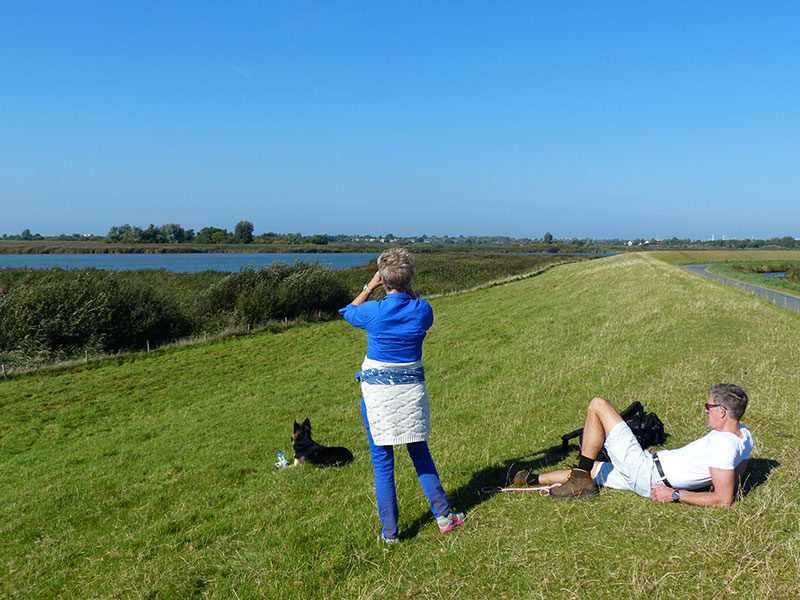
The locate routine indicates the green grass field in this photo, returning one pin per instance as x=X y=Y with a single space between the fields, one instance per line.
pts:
x=151 y=476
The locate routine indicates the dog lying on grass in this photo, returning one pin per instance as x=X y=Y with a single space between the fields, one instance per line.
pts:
x=307 y=450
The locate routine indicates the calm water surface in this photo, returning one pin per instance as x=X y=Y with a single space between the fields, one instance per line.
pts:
x=183 y=263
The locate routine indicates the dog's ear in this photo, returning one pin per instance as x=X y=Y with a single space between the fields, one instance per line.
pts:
x=307 y=425
x=297 y=426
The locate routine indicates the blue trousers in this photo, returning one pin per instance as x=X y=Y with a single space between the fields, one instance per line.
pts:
x=383 y=466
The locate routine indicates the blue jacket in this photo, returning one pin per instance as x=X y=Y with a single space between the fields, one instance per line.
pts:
x=396 y=326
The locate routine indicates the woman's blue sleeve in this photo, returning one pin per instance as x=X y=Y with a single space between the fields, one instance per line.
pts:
x=355 y=315
x=427 y=319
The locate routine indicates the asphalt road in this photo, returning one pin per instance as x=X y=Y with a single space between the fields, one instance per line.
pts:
x=781 y=299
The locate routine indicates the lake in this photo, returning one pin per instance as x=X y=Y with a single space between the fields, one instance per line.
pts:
x=182 y=263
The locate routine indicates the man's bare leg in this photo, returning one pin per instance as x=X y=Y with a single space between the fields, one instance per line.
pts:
x=601 y=418
x=554 y=477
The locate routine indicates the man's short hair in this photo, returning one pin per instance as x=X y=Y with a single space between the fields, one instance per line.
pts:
x=397 y=269
x=731 y=397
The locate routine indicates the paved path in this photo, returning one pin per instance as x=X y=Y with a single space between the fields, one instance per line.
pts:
x=783 y=300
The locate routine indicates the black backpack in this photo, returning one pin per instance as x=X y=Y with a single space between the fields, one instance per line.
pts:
x=647 y=427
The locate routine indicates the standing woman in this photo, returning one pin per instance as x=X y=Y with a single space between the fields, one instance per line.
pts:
x=394 y=401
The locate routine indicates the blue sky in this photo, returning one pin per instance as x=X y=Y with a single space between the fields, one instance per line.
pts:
x=586 y=119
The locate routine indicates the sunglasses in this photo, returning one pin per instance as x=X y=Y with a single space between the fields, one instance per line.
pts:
x=709 y=406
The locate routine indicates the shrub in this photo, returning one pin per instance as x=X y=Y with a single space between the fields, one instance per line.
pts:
x=95 y=311
x=791 y=268
x=276 y=292
x=315 y=289
x=223 y=296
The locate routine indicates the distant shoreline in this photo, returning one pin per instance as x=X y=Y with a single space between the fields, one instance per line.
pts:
x=45 y=247
x=95 y=247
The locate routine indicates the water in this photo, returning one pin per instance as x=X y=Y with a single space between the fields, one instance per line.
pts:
x=182 y=263
x=598 y=254
x=775 y=274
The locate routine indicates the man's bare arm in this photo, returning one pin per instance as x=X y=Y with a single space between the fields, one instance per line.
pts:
x=723 y=481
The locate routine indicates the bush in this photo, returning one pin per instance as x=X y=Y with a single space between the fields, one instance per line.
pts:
x=791 y=268
x=312 y=290
x=223 y=296
x=93 y=311
x=276 y=292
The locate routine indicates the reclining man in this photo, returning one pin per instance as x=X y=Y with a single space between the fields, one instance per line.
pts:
x=718 y=459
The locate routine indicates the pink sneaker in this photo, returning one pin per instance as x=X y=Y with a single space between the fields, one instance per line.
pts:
x=450 y=521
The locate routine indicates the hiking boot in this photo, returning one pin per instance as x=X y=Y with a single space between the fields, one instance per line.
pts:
x=579 y=484
x=521 y=478
x=450 y=521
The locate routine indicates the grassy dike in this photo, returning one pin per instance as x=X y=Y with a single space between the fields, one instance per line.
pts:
x=152 y=476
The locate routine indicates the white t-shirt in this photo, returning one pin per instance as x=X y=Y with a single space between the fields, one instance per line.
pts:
x=687 y=468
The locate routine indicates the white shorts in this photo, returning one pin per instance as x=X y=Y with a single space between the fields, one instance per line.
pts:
x=631 y=468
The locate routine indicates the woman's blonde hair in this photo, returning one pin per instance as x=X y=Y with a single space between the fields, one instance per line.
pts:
x=397 y=269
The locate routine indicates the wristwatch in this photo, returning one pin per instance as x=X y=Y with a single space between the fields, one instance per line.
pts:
x=366 y=288
x=676 y=496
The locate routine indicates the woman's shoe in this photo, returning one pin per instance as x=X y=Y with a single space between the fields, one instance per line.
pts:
x=450 y=521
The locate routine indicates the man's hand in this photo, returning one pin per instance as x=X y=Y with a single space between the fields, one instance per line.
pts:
x=661 y=493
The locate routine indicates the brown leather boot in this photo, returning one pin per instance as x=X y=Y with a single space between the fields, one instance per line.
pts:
x=578 y=485
x=521 y=478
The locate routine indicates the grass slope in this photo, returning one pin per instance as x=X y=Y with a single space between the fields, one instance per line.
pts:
x=152 y=476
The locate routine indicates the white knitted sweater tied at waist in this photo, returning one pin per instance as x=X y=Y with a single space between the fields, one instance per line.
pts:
x=396 y=400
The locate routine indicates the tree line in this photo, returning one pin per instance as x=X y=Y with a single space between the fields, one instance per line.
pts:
x=172 y=233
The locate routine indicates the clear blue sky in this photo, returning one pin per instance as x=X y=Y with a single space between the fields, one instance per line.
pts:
x=623 y=119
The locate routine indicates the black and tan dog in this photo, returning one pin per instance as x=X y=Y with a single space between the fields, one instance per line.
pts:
x=307 y=450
